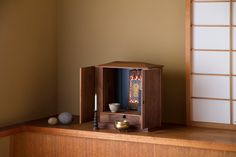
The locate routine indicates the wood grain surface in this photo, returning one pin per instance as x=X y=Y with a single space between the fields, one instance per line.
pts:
x=40 y=139
x=30 y=144
x=128 y=64
x=152 y=102
x=87 y=93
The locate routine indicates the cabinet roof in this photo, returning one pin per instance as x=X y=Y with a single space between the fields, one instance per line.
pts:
x=128 y=64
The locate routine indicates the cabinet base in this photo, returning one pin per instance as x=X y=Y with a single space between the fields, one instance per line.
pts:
x=111 y=125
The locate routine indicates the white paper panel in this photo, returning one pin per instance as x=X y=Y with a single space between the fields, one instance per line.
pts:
x=234 y=112
x=234 y=61
x=216 y=38
x=211 y=62
x=211 y=0
x=234 y=87
x=211 y=86
x=211 y=13
x=215 y=111
x=234 y=8
x=234 y=38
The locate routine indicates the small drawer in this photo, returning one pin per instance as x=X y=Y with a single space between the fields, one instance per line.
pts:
x=110 y=118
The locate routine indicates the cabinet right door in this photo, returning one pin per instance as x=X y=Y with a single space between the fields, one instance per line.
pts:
x=152 y=91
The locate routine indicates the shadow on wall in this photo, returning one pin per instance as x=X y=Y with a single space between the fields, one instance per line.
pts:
x=28 y=60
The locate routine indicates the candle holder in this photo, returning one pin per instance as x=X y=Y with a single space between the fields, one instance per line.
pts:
x=95 y=121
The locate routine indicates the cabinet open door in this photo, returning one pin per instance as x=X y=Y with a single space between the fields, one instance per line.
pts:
x=87 y=92
x=151 y=108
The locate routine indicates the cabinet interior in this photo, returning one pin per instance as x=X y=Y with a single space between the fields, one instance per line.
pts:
x=116 y=85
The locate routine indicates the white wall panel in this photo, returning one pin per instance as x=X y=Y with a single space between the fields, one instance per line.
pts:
x=211 y=62
x=234 y=61
x=211 y=0
x=234 y=112
x=234 y=13
x=216 y=38
x=215 y=111
x=234 y=37
x=211 y=13
x=211 y=86
x=234 y=87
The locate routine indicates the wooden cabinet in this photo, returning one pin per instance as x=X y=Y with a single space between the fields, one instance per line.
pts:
x=111 y=82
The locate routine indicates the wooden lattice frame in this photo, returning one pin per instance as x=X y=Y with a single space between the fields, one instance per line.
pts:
x=189 y=73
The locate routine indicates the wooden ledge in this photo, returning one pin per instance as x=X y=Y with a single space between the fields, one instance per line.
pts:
x=180 y=136
x=10 y=130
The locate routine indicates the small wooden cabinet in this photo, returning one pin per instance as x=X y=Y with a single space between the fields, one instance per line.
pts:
x=111 y=82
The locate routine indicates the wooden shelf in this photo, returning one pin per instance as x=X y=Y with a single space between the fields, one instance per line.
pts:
x=171 y=135
x=124 y=112
x=10 y=130
x=174 y=135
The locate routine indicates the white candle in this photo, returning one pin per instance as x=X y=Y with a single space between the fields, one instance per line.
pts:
x=95 y=103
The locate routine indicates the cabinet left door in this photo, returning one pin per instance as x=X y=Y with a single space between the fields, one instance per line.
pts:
x=87 y=92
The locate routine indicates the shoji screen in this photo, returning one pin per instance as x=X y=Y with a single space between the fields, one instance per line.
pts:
x=211 y=63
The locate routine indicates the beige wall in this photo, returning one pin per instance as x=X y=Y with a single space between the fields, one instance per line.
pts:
x=28 y=61
x=89 y=32
x=97 y=31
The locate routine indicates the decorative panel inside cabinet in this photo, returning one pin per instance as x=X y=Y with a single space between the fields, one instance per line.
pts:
x=216 y=38
x=209 y=110
x=211 y=13
x=211 y=86
x=209 y=62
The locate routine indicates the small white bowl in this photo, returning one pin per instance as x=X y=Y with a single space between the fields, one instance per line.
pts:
x=114 y=107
